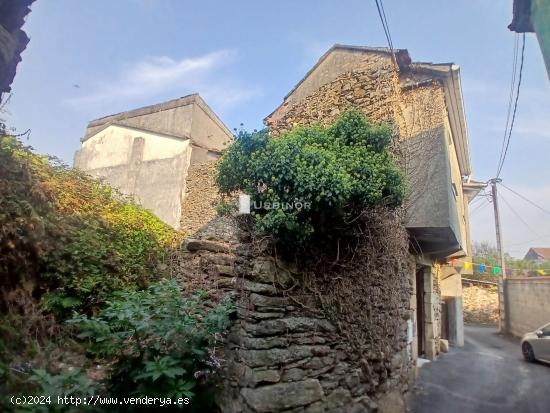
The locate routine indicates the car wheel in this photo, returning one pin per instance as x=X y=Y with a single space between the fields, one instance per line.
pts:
x=528 y=352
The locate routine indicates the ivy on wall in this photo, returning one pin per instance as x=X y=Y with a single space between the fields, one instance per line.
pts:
x=315 y=180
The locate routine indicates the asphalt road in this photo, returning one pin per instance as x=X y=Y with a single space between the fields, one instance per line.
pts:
x=487 y=375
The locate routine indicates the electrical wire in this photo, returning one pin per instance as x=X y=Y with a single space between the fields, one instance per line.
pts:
x=518 y=216
x=529 y=241
x=503 y=158
x=386 y=27
x=479 y=208
x=510 y=96
x=526 y=199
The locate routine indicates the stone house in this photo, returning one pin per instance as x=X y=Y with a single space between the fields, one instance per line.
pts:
x=149 y=152
x=424 y=102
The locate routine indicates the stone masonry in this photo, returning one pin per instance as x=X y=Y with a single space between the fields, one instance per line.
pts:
x=280 y=356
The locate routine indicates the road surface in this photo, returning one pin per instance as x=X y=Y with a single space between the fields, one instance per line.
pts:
x=487 y=375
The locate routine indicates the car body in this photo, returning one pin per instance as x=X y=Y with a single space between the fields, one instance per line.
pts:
x=536 y=345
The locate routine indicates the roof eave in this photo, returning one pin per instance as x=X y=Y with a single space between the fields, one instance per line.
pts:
x=462 y=141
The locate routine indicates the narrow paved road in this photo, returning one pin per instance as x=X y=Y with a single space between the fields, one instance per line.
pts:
x=487 y=375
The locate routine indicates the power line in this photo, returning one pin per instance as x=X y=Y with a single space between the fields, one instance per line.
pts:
x=503 y=158
x=386 y=27
x=479 y=207
x=510 y=96
x=529 y=241
x=518 y=216
x=526 y=199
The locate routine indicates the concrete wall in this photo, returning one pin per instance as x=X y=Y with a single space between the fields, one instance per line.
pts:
x=187 y=117
x=173 y=121
x=147 y=152
x=527 y=304
x=207 y=130
x=150 y=167
x=432 y=204
x=113 y=145
x=451 y=294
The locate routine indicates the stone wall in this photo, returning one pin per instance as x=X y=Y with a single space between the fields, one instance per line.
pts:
x=373 y=88
x=200 y=199
x=284 y=355
x=480 y=303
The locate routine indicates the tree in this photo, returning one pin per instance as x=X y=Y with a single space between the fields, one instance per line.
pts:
x=313 y=181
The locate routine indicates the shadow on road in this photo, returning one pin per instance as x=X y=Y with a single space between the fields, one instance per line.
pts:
x=487 y=375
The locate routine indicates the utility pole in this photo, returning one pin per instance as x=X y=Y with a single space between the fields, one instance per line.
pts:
x=502 y=275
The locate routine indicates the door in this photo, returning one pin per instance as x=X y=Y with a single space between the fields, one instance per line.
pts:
x=420 y=311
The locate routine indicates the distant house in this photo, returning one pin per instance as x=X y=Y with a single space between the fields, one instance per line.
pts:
x=424 y=103
x=538 y=254
x=149 y=152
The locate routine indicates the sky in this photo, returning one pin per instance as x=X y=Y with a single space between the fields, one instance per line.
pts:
x=88 y=59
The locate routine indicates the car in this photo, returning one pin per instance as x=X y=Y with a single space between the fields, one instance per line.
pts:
x=536 y=345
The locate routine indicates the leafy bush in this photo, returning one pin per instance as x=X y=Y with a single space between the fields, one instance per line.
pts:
x=68 y=238
x=70 y=383
x=158 y=341
x=313 y=180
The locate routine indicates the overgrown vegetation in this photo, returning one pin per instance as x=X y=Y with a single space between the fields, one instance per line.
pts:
x=71 y=245
x=158 y=342
x=314 y=181
x=353 y=254
x=68 y=238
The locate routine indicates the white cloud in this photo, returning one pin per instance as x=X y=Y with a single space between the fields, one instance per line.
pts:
x=156 y=75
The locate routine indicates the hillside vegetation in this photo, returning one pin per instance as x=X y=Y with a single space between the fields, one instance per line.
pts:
x=80 y=273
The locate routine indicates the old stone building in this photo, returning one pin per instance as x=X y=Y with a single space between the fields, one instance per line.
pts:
x=149 y=152
x=424 y=103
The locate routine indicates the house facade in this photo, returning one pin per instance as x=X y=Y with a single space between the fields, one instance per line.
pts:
x=149 y=152
x=424 y=103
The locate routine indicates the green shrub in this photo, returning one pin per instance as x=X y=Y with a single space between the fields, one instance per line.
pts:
x=158 y=340
x=70 y=239
x=50 y=386
x=332 y=173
